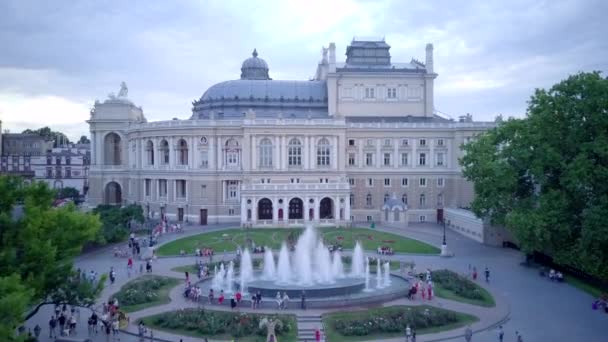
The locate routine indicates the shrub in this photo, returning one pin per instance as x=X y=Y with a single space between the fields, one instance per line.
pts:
x=144 y=290
x=458 y=284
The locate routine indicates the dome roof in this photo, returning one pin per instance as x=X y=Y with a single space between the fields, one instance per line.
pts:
x=254 y=68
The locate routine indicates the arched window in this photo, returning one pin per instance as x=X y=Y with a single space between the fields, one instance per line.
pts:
x=368 y=200
x=422 y=200
x=112 y=149
x=352 y=200
x=182 y=152
x=150 y=152
x=294 y=152
x=323 y=149
x=164 y=152
x=265 y=153
x=404 y=198
x=386 y=197
x=232 y=153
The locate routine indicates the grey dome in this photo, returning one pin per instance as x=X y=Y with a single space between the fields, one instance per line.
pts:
x=254 y=68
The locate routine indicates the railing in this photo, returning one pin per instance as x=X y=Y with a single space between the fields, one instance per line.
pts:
x=295 y=186
x=421 y=125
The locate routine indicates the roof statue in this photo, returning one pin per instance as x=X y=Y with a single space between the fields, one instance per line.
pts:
x=325 y=50
x=124 y=91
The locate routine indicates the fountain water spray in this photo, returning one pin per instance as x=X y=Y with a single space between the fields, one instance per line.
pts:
x=218 y=279
x=246 y=273
x=379 y=275
x=230 y=278
x=323 y=264
x=357 y=261
x=303 y=256
x=270 y=269
x=387 y=274
x=284 y=266
x=367 y=274
x=337 y=267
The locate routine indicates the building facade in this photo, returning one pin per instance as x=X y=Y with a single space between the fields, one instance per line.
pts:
x=359 y=142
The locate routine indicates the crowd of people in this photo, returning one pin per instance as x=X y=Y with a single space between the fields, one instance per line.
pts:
x=422 y=286
x=385 y=250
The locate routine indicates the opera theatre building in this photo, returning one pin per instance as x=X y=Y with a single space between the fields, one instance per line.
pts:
x=359 y=142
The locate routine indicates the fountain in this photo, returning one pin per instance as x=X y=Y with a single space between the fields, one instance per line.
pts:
x=270 y=269
x=387 y=274
x=379 y=275
x=337 y=267
x=246 y=272
x=310 y=267
x=357 y=261
x=230 y=278
x=367 y=275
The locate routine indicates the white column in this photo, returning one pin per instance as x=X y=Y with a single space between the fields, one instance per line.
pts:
x=156 y=152
x=276 y=155
x=275 y=210
x=317 y=209
x=99 y=149
x=283 y=153
x=347 y=209
x=306 y=209
x=285 y=209
x=93 y=146
x=254 y=210
x=361 y=155
x=448 y=157
x=223 y=191
x=396 y=156
x=432 y=154
x=334 y=156
x=312 y=152
x=191 y=155
x=211 y=153
x=172 y=154
x=254 y=148
x=219 y=155
x=414 y=152
x=305 y=154
x=378 y=153
x=243 y=210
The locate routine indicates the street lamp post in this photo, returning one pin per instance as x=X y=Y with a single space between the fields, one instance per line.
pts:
x=444 y=245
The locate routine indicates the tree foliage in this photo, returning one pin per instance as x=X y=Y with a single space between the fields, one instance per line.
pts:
x=68 y=192
x=546 y=176
x=116 y=221
x=58 y=137
x=84 y=140
x=37 y=246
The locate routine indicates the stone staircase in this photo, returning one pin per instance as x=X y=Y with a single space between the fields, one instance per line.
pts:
x=307 y=324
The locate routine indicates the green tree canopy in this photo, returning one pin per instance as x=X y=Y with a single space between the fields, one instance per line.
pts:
x=58 y=137
x=37 y=246
x=68 y=192
x=546 y=176
x=116 y=221
x=84 y=140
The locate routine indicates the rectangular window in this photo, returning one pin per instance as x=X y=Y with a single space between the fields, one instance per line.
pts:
x=233 y=189
x=369 y=218
x=351 y=159
x=422 y=182
x=351 y=142
x=162 y=188
x=58 y=161
x=387 y=159
x=403 y=159
x=387 y=142
x=422 y=142
x=68 y=172
x=404 y=182
x=391 y=93
x=440 y=182
x=439 y=159
x=204 y=159
x=387 y=182
x=147 y=186
x=267 y=180
x=49 y=160
x=180 y=187
x=351 y=181
x=49 y=172
x=203 y=191
x=370 y=93
x=230 y=212
x=404 y=142
x=68 y=161
x=370 y=182
x=320 y=180
x=422 y=159
x=422 y=218
x=369 y=159
x=440 y=142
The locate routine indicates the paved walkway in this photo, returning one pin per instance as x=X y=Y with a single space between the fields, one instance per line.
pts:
x=540 y=310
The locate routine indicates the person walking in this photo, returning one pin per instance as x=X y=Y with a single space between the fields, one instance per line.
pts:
x=468 y=334
x=37 y=330
x=519 y=337
x=52 y=327
x=413 y=335
x=112 y=275
x=474 y=273
x=487 y=274
x=501 y=333
x=408 y=333
x=232 y=302
x=317 y=335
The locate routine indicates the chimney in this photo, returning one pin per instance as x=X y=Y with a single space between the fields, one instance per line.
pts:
x=429 y=58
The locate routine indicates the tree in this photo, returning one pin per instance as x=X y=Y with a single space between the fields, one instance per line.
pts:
x=68 y=192
x=546 y=176
x=37 y=248
x=58 y=137
x=116 y=221
x=84 y=140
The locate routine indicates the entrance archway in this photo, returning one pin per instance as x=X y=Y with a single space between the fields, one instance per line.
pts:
x=113 y=194
x=326 y=208
x=296 y=207
x=265 y=209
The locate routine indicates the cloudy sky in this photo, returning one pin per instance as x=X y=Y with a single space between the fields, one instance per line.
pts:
x=57 y=57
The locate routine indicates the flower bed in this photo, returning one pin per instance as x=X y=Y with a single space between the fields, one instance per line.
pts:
x=221 y=325
x=453 y=286
x=391 y=321
x=144 y=292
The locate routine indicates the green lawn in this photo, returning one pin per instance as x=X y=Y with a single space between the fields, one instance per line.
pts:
x=487 y=301
x=228 y=240
x=144 y=292
x=186 y=325
x=400 y=316
x=594 y=291
x=450 y=285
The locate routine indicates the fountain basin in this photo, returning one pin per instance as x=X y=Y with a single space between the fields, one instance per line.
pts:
x=341 y=287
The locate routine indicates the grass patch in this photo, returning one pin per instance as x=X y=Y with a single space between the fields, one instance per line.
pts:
x=144 y=292
x=228 y=240
x=451 y=285
x=390 y=322
x=594 y=291
x=220 y=325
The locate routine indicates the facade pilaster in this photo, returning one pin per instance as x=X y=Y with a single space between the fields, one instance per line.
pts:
x=276 y=153
x=378 y=153
x=243 y=210
x=334 y=153
x=317 y=207
x=254 y=148
x=361 y=155
x=275 y=210
x=396 y=156
x=172 y=153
